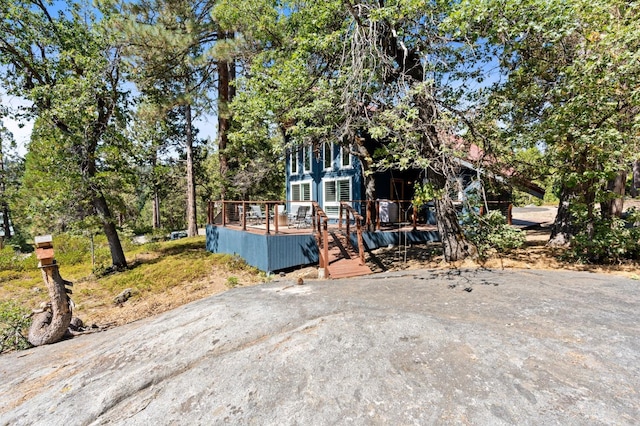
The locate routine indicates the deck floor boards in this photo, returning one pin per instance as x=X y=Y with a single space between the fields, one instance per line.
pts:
x=344 y=261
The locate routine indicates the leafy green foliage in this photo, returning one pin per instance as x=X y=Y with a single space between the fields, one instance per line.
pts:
x=613 y=240
x=10 y=259
x=568 y=82
x=68 y=67
x=14 y=326
x=491 y=233
x=232 y=282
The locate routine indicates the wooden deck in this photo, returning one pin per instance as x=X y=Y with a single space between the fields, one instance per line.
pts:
x=290 y=246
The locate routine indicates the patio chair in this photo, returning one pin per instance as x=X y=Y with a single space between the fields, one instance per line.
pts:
x=255 y=215
x=301 y=219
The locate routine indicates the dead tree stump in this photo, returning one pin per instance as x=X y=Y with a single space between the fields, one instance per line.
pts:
x=51 y=324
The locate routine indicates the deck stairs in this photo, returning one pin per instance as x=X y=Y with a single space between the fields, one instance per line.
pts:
x=344 y=261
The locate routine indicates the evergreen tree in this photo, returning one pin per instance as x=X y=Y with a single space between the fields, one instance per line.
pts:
x=62 y=61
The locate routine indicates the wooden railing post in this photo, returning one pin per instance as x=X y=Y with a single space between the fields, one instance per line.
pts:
x=348 y=222
x=224 y=213
x=360 y=240
x=325 y=244
x=243 y=218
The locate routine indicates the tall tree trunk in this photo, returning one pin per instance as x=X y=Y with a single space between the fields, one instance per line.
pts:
x=615 y=206
x=563 y=226
x=455 y=245
x=118 y=258
x=6 y=224
x=635 y=180
x=156 y=196
x=156 y=209
x=226 y=71
x=4 y=206
x=88 y=169
x=192 y=220
x=370 y=194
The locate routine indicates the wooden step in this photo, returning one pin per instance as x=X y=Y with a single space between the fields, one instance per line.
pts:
x=346 y=268
x=344 y=262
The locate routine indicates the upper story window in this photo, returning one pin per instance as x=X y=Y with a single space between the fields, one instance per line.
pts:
x=308 y=156
x=327 y=155
x=345 y=157
x=293 y=161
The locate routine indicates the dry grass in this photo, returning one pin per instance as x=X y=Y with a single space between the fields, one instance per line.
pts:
x=161 y=276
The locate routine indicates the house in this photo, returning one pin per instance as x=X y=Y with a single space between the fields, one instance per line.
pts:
x=330 y=175
x=327 y=175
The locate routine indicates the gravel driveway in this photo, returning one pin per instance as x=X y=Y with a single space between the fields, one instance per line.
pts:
x=420 y=347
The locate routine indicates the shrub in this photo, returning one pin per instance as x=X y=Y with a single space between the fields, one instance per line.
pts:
x=11 y=260
x=491 y=232
x=613 y=240
x=14 y=326
x=232 y=282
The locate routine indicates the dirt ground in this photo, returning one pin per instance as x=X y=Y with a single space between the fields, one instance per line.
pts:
x=534 y=221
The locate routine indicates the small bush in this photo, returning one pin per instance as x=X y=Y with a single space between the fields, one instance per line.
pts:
x=14 y=326
x=11 y=260
x=232 y=282
x=613 y=241
x=492 y=233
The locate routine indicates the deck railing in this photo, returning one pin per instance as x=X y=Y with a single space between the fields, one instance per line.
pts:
x=321 y=232
x=358 y=220
x=236 y=212
x=225 y=212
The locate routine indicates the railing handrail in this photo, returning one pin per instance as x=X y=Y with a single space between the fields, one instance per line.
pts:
x=358 y=219
x=321 y=231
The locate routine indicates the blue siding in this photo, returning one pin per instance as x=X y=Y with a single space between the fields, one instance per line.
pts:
x=266 y=252
x=374 y=240
x=317 y=174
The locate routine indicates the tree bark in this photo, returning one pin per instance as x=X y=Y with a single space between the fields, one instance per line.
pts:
x=118 y=258
x=156 y=196
x=156 y=209
x=4 y=206
x=615 y=207
x=635 y=180
x=369 y=183
x=6 y=224
x=226 y=71
x=455 y=245
x=50 y=326
x=192 y=220
x=563 y=227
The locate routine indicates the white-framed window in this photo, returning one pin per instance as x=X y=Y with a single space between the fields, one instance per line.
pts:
x=335 y=191
x=301 y=191
x=293 y=161
x=345 y=157
x=327 y=155
x=308 y=156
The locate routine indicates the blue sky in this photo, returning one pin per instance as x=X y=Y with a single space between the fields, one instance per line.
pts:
x=207 y=125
